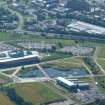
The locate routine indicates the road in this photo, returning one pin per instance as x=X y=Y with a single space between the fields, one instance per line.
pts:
x=21 y=18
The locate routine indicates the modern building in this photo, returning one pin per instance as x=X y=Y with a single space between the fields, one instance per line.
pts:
x=72 y=86
x=18 y=58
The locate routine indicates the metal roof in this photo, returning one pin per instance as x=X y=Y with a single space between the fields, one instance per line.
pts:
x=69 y=83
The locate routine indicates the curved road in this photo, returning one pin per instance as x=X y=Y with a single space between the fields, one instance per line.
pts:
x=21 y=18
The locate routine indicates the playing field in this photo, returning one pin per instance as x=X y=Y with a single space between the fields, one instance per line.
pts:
x=37 y=93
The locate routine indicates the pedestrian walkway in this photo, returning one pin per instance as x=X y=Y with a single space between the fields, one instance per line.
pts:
x=42 y=70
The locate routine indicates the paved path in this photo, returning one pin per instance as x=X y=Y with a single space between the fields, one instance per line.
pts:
x=15 y=72
x=7 y=75
x=90 y=72
x=95 y=60
x=42 y=70
x=100 y=67
x=31 y=80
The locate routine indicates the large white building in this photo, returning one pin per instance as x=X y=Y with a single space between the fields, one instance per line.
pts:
x=79 y=26
x=67 y=84
x=71 y=85
x=18 y=58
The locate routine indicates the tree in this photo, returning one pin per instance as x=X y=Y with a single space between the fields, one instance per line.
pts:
x=60 y=45
x=53 y=48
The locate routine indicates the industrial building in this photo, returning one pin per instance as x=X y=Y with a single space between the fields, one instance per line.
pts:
x=18 y=58
x=67 y=84
x=72 y=86
x=79 y=26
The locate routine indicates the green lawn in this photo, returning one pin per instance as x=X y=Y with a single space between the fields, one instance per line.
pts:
x=7 y=79
x=101 y=51
x=67 y=63
x=37 y=38
x=4 y=100
x=56 y=55
x=37 y=93
x=9 y=71
x=4 y=36
x=101 y=62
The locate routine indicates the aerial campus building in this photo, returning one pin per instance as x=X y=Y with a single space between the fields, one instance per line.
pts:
x=72 y=86
x=18 y=58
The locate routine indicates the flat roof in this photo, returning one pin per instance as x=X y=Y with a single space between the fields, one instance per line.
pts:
x=83 y=26
x=8 y=58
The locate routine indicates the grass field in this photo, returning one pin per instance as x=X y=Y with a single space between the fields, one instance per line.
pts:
x=37 y=93
x=36 y=38
x=101 y=62
x=101 y=52
x=68 y=63
x=4 y=100
x=7 y=79
x=56 y=55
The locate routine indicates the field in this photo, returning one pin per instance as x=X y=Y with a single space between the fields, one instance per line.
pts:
x=4 y=100
x=37 y=93
x=4 y=36
x=101 y=62
x=101 y=52
x=5 y=78
x=56 y=55
x=68 y=63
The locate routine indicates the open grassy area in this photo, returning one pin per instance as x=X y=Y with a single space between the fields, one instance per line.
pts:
x=101 y=62
x=37 y=93
x=56 y=55
x=9 y=71
x=7 y=79
x=4 y=100
x=35 y=38
x=68 y=63
x=5 y=36
x=101 y=52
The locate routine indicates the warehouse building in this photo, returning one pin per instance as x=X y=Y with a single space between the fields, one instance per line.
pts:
x=18 y=58
x=72 y=86
x=67 y=84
